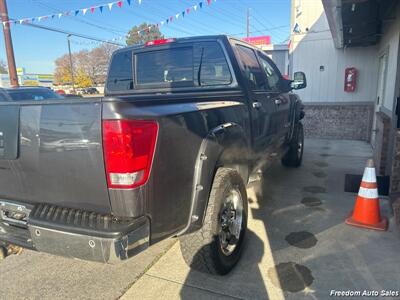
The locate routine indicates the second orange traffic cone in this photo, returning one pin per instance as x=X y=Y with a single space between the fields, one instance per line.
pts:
x=366 y=212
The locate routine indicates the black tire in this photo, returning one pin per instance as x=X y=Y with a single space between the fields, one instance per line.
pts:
x=202 y=249
x=294 y=156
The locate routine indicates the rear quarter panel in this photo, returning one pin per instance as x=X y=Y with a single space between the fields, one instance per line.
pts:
x=183 y=125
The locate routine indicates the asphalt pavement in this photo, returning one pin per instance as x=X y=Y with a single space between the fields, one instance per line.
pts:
x=33 y=275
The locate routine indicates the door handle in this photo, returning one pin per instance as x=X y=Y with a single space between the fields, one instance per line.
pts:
x=278 y=101
x=257 y=105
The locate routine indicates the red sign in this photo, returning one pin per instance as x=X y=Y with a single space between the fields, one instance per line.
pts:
x=258 y=40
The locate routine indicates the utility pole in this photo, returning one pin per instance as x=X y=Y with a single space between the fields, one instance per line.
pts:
x=12 y=70
x=248 y=22
x=70 y=63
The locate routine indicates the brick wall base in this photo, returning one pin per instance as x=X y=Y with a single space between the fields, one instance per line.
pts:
x=349 y=121
x=395 y=175
x=382 y=140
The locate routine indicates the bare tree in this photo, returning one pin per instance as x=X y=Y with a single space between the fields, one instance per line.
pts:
x=93 y=64
x=3 y=67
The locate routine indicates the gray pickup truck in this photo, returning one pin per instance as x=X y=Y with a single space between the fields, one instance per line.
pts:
x=167 y=152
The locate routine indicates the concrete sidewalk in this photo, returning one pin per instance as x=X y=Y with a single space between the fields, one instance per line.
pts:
x=297 y=245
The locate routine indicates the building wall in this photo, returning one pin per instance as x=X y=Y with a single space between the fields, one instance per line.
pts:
x=313 y=52
x=331 y=112
x=390 y=42
x=386 y=146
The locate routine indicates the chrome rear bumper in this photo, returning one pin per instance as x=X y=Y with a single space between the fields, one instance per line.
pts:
x=102 y=249
x=76 y=234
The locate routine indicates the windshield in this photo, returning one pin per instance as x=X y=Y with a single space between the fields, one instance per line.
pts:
x=32 y=94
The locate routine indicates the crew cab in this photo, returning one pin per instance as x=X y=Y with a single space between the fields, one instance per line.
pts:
x=167 y=152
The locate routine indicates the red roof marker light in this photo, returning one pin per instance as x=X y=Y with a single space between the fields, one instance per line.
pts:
x=159 y=42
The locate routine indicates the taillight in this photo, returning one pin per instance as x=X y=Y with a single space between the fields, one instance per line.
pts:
x=159 y=42
x=128 y=151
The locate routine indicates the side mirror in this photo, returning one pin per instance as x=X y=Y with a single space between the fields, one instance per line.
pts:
x=299 y=82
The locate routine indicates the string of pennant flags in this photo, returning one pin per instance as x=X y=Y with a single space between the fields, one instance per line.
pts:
x=109 y=6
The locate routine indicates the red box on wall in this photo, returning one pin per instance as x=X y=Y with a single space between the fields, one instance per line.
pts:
x=350 y=79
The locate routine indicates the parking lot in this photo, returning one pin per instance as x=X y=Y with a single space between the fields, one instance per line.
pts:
x=298 y=246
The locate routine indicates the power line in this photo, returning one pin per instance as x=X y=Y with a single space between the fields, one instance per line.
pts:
x=77 y=19
x=263 y=30
x=70 y=33
x=154 y=21
x=167 y=10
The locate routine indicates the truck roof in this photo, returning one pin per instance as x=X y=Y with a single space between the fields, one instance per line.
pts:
x=187 y=39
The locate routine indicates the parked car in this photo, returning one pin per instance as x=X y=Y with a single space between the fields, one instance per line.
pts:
x=72 y=96
x=60 y=92
x=182 y=125
x=90 y=91
x=27 y=93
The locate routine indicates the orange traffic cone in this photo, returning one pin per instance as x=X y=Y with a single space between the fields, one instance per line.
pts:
x=366 y=212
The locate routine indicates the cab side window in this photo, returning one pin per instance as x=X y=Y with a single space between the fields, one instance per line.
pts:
x=252 y=70
x=271 y=74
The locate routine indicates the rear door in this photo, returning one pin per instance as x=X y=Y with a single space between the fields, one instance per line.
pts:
x=262 y=107
x=281 y=100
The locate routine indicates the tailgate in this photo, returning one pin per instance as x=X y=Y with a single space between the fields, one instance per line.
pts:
x=51 y=152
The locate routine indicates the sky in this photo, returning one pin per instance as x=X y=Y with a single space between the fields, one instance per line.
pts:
x=36 y=49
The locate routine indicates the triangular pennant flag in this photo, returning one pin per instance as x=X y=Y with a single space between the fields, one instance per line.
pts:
x=119 y=3
x=201 y=4
x=84 y=11
x=140 y=2
x=195 y=7
x=162 y=23
x=40 y=18
x=129 y=2
x=187 y=10
x=92 y=9
x=209 y=2
x=4 y=23
x=52 y=16
x=33 y=19
x=21 y=21
x=167 y=21
x=60 y=15
x=110 y=5
x=177 y=16
x=66 y=13
x=171 y=18
x=183 y=14
x=45 y=17
x=101 y=8
x=76 y=12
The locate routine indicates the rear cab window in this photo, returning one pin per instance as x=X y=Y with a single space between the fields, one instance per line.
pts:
x=176 y=66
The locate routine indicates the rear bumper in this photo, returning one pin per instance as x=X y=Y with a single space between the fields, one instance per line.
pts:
x=90 y=247
x=96 y=242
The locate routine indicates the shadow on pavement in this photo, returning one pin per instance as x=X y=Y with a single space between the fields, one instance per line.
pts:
x=244 y=282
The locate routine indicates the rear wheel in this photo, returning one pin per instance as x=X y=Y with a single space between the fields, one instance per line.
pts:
x=217 y=246
x=294 y=156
